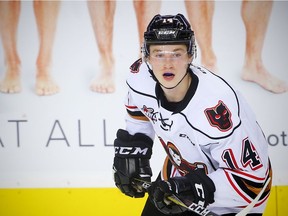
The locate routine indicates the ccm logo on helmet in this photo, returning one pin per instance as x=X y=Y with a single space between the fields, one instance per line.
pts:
x=130 y=151
x=166 y=33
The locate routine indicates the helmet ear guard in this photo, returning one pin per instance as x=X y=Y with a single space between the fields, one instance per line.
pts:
x=167 y=30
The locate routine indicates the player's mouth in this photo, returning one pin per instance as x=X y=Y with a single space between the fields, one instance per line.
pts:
x=168 y=75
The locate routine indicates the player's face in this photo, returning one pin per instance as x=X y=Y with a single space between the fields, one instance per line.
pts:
x=169 y=63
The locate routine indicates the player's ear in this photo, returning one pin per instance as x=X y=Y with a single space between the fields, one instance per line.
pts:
x=190 y=59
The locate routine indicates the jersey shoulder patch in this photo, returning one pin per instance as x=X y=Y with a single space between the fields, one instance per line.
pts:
x=135 y=67
x=219 y=116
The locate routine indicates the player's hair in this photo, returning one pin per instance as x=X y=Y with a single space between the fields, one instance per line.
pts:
x=169 y=29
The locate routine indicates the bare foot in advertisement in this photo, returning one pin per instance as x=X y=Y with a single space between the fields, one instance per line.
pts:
x=45 y=85
x=11 y=82
x=104 y=83
x=266 y=80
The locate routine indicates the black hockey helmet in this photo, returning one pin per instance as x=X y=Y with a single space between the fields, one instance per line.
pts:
x=169 y=29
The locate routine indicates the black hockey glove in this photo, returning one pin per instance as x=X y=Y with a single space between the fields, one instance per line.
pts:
x=131 y=161
x=195 y=187
x=158 y=193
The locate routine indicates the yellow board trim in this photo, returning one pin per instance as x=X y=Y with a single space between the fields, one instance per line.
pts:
x=96 y=201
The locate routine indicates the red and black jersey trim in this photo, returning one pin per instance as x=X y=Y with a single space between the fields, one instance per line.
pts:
x=137 y=115
x=248 y=186
x=134 y=112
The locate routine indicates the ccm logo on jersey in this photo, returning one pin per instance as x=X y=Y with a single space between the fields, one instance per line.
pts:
x=219 y=116
x=130 y=151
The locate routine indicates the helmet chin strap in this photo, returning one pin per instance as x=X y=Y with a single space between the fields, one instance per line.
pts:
x=154 y=77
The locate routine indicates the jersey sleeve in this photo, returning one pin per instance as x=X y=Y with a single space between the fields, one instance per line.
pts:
x=242 y=165
x=136 y=121
x=140 y=88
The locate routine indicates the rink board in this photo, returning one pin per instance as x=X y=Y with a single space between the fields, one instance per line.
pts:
x=95 y=201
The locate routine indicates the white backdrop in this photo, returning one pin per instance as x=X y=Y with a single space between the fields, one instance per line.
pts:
x=65 y=140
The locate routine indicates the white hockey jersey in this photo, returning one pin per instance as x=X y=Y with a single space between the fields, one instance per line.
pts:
x=211 y=128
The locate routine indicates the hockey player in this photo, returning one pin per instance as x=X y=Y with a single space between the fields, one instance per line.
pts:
x=217 y=155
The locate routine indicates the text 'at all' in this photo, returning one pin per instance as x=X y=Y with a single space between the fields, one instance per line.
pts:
x=56 y=134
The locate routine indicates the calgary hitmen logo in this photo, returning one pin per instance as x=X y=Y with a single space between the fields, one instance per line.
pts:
x=219 y=116
x=182 y=165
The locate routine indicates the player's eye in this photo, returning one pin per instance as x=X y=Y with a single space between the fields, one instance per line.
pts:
x=159 y=55
x=176 y=55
